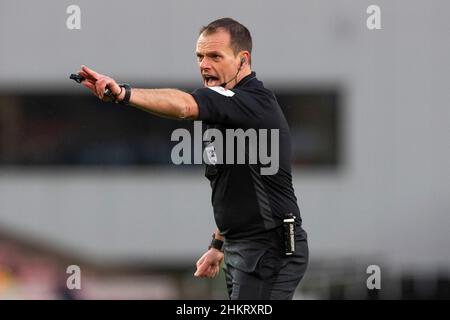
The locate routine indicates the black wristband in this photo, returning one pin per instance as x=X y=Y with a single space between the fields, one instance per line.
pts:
x=126 y=98
x=216 y=243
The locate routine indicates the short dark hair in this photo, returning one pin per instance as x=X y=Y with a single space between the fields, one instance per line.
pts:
x=240 y=38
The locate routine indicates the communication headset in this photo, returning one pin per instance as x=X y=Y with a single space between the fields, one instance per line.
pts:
x=242 y=63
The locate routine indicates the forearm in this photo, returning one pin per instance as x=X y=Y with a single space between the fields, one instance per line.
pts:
x=217 y=235
x=168 y=103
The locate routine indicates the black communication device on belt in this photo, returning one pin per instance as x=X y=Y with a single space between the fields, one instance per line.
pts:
x=289 y=234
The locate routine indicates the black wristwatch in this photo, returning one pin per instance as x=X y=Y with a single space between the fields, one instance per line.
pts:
x=216 y=243
x=126 y=98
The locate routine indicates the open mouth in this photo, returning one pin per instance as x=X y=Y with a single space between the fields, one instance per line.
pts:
x=210 y=81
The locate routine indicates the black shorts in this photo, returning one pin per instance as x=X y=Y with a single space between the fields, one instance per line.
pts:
x=256 y=270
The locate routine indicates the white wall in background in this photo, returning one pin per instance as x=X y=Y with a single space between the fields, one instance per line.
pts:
x=390 y=198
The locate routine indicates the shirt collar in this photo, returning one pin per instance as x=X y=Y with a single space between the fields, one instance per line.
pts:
x=245 y=80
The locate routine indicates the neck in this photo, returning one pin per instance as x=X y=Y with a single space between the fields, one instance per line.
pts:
x=243 y=74
x=238 y=77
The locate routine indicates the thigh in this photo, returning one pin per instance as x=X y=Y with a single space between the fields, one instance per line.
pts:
x=249 y=270
x=268 y=275
x=254 y=283
x=228 y=279
x=247 y=286
x=291 y=273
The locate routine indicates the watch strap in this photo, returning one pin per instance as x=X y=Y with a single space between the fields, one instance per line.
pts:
x=216 y=244
x=126 y=98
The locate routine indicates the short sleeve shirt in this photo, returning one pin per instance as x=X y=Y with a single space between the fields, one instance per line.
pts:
x=247 y=203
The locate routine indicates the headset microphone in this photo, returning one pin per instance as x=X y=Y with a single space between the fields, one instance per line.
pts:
x=223 y=84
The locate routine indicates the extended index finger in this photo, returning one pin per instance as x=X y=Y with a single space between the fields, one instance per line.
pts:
x=90 y=73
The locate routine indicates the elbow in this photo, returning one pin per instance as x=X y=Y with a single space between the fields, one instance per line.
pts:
x=189 y=110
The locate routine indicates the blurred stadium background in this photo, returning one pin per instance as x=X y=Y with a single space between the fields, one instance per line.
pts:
x=91 y=184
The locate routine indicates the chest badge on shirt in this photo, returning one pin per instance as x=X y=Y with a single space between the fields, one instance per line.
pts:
x=211 y=154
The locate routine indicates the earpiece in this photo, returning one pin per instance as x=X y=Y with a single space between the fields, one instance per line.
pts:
x=242 y=62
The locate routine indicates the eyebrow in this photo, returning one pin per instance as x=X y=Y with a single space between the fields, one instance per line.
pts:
x=212 y=53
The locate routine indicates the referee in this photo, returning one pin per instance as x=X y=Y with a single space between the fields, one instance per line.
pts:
x=259 y=237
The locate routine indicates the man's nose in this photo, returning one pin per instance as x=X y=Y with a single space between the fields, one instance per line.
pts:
x=204 y=64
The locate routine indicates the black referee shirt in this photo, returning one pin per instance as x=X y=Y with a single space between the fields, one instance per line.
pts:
x=246 y=203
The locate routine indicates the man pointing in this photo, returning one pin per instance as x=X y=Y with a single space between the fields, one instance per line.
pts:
x=259 y=236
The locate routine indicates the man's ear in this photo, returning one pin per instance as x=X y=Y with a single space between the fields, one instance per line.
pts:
x=245 y=58
x=242 y=62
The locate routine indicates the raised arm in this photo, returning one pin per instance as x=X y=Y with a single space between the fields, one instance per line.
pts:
x=168 y=103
